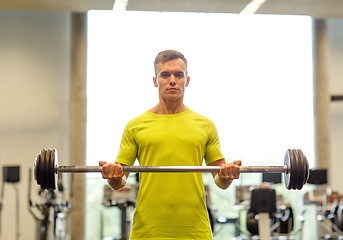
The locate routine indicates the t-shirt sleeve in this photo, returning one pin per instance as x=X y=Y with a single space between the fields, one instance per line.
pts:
x=128 y=147
x=213 y=151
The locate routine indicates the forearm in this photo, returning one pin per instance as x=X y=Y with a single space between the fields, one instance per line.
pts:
x=221 y=182
x=117 y=183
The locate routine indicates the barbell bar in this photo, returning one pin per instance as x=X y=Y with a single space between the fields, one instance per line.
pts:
x=295 y=169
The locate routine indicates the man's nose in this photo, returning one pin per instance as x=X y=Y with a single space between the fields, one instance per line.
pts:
x=172 y=81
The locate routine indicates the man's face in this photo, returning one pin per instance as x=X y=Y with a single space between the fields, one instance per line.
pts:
x=171 y=79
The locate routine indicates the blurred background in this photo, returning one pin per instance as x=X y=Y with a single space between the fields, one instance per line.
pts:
x=73 y=73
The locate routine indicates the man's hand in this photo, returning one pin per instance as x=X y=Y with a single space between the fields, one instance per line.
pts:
x=230 y=171
x=114 y=174
x=111 y=170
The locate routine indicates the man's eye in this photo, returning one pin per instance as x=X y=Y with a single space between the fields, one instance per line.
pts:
x=164 y=75
x=179 y=75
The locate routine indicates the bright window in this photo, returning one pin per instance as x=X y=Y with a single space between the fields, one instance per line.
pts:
x=251 y=75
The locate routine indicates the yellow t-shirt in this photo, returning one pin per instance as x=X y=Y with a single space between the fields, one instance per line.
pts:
x=170 y=205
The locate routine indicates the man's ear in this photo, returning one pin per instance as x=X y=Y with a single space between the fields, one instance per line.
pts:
x=187 y=81
x=155 y=81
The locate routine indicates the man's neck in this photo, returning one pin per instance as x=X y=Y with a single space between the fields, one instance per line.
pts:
x=168 y=108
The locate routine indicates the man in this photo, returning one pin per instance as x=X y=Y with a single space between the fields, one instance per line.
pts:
x=170 y=205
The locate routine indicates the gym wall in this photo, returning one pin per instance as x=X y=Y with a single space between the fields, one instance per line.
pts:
x=34 y=101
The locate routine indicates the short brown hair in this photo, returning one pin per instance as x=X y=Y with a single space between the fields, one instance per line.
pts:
x=168 y=55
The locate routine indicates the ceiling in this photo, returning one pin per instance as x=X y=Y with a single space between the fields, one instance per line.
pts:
x=57 y=5
x=314 y=8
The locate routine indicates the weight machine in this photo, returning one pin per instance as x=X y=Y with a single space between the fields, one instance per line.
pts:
x=11 y=174
x=51 y=213
x=267 y=215
x=122 y=199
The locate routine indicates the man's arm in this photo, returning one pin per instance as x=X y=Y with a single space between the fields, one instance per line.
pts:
x=113 y=172
x=228 y=172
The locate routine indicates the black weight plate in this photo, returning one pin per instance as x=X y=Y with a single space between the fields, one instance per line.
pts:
x=42 y=169
x=55 y=165
x=303 y=169
x=287 y=176
x=306 y=167
x=49 y=169
x=297 y=175
x=52 y=170
x=307 y=171
x=36 y=168
x=296 y=168
x=46 y=169
x=40 y=166
x=300 y=170
x=56 y=160
x=293 y=170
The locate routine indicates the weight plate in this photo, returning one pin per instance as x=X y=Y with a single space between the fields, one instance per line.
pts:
x=306 y=167
x=293 y=170
x=300 y=170
x=47 y=168
x=42 y=169
x=297 y=162
x=301 y=166
x=56 y=161
x=55 y=166
x=296 y=168
x=49 y=174
x=52 y=170
x=287 y=176
x=36 y=168
x=308 y=170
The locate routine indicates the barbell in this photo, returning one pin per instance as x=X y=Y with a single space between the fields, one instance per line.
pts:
x=295 y=169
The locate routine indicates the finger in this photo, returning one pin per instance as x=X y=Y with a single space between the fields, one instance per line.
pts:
x=229 y=171
x=224 y=171
x=238 y=162
x=101 y=163
x=235 y=171
x=115 y=170
x=104 y=170
x=119 y=169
